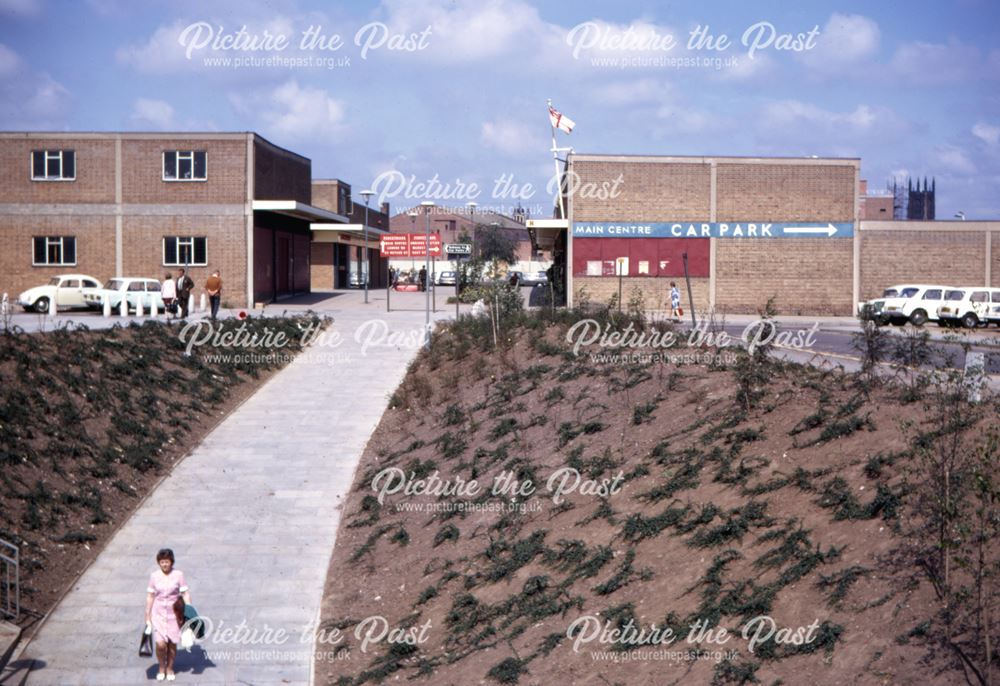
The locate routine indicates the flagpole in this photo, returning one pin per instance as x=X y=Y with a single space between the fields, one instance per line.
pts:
x=555 y=161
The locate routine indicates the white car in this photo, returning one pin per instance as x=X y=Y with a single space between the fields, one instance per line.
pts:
x=131 y=289
x=914 y=303
x=969 y=307
x=66 y=290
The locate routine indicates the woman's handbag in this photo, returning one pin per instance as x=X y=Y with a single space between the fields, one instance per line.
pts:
x=146 y=642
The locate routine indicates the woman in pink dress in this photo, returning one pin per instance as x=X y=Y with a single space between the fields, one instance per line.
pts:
x=165 y=586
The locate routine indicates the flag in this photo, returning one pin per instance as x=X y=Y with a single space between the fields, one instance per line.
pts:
x=560 y=120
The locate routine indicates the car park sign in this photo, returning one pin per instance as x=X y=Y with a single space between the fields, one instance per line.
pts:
x=713 y=230
x=458 y=248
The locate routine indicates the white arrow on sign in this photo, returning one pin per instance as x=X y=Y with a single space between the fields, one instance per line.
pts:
x=829 y=229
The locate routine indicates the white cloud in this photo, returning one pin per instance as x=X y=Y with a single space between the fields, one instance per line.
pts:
x=155 y=114
x=743 y=68
x=467 y=30
x=29 y=99
x=846 y=39
x=20 y=7
x=513 y=138
x=796 y=127
x=9 y=61
x=987 y=133
x=951 y=158
x=294 y=112
x=163 y=52
x=637 y=91
x=673 y=119
x=790 y=114
x=936 y=63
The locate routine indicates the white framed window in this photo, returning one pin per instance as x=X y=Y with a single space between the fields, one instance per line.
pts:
x=185 y=251
x=185 y=165
x=53 y=251
x=53 y=165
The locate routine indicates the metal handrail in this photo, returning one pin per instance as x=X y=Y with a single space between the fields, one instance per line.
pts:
x=10 y=591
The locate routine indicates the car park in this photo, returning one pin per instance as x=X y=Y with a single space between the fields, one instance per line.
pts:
x=130 y=289
x=66 y=290
x=969 y=307
x=913 y=303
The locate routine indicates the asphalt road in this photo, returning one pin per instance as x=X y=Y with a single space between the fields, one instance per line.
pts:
x=836 y=340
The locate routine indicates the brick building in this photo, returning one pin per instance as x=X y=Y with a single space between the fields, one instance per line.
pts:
x=143 y=204
x=338 y=259
x=751 y=228
x=794 y=229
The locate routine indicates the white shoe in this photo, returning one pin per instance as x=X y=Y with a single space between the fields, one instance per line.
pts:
x=160 y=676
x=171 y=677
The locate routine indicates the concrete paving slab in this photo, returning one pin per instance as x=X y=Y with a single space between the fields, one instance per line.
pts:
x=252 y=517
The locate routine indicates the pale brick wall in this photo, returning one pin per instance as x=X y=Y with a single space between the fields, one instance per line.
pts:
x=805 y=275
x=649 y=191
x=995 y=260
x=786 y=192
x=950 y=258
x=143 y=250
x=321 y=267
x=95 y=249
x=142 y=172
x=95 y=171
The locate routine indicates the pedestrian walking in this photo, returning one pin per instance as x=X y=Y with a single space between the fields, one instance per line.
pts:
x=166 y=587
x=214 y=287
x=675 y=301
x=168 y=292
x=184 y=287
x=423 y=278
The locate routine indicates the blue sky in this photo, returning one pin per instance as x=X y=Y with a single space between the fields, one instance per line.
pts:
x=911 y=90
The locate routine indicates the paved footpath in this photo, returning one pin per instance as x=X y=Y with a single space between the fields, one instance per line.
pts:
x=252 y=517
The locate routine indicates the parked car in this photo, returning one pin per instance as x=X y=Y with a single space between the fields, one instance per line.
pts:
x=536 y=279
x=915 y=304
x=446 y=279
x=969 y=307
x=66 y=290
x=993 y=316
x=129 y=288
x=875 y=304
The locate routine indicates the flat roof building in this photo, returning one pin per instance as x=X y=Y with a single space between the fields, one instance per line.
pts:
x=142 y=204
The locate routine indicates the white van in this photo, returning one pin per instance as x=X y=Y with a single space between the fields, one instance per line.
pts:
x=969 y=307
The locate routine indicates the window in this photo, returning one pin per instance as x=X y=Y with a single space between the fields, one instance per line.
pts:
x=53 y=165
x=71 y=283
x=51 y=251
x=185 y=165
x=182 y=251
x=980 y=297
x=344 y=204
x=933 y=294
x=909 y=292
x=954 y=295
x=87 y=283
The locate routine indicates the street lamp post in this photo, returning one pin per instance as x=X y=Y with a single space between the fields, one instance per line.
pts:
x=427 y=205
x=366 y=195
x=413 y=224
